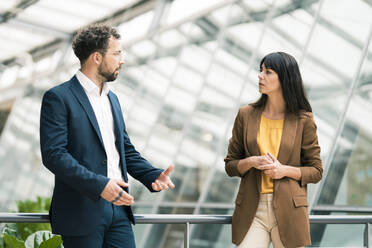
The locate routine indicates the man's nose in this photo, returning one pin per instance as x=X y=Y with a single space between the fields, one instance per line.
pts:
x=121 y=62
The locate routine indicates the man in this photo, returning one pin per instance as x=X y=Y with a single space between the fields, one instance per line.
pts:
x=84 y=142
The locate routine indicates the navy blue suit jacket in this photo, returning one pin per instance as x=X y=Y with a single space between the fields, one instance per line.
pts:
x=72 y=149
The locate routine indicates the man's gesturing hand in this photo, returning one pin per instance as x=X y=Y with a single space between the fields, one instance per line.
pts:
x=163 y=182
x=115 y=194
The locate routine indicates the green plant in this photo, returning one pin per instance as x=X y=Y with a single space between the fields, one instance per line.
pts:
x=30 y=235
x=39 y=239
x=41 y=205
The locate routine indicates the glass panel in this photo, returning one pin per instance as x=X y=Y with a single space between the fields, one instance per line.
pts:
x=22 y=176
x=352 y=235
x=349 y=179
x=223 y=188
x=59 y=20
x=211 y=235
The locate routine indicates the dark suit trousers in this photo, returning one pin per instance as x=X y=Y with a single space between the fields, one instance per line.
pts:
x=114 y=231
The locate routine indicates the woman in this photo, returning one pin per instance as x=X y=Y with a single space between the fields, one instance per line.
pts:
x=274 y=149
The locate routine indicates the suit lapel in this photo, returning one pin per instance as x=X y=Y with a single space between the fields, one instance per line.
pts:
x=288 y=138
x=254 y=121
x=253 y=127
x=287 y=141
x=118 y=121
x=116 y=112
x=82 y=97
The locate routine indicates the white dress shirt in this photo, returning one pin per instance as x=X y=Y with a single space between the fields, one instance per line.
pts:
x=102 y=109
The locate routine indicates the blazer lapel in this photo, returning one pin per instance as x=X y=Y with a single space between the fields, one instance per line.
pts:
x=252 y=131
x=117 y=116
x=287 y=141
x=82 y=97
x=254 y=121
x=288 y=138
x=116 y=112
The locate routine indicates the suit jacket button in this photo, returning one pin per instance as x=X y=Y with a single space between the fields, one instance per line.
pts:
x=104 y=162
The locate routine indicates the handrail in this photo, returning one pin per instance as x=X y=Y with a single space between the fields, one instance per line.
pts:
x=199 y=219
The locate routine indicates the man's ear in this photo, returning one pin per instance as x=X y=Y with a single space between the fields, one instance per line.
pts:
x=96 y=58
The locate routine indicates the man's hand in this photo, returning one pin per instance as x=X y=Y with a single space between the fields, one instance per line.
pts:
x=115 y=194
x=163 y=182
x=275 y=170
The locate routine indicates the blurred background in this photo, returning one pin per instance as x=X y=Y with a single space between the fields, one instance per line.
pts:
x=190 y=64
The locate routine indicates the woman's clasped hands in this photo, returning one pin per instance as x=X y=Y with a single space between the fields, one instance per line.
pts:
x=275 y=169
x=268 y=164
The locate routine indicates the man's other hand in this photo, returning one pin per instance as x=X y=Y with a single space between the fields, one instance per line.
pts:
x=163 y=182
x=114 y=193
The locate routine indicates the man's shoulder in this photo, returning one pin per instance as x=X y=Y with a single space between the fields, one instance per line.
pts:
x=60 y=89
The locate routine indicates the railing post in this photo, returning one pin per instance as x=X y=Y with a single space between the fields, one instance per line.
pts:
x=187 y=235
x=367 y=234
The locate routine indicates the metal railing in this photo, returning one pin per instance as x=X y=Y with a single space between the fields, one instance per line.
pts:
x=187 y=220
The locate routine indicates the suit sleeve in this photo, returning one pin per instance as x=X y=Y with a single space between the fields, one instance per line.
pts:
x=137 y=166
x=236 y=148
x=55 y=156
x=311 y=169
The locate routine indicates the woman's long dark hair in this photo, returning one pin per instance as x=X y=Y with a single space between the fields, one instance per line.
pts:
x=290 y=80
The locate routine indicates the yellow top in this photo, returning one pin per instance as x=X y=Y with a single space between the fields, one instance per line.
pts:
x=268 y=138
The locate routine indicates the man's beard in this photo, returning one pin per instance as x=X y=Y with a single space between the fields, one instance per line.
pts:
x=106 y=75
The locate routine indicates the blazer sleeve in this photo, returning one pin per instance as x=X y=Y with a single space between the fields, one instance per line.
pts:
x=137 y=166
x=311 y=169
x=55 y=156
x=235 y=150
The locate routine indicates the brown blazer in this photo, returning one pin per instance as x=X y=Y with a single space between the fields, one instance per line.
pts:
x=299 y=147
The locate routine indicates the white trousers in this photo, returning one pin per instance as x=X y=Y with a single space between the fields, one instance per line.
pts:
x=264 y=228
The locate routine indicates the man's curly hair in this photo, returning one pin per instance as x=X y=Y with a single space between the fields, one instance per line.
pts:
x=94 y=38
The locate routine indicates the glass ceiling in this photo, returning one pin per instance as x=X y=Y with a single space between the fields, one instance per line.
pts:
x=189 y=66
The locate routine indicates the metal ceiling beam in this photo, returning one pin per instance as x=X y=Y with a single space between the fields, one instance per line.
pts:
x=260 y=15
x=13 y=12
x=238 y=49
x=37 y=28
x=42 y=50
x=160 y=13
x=339 y=32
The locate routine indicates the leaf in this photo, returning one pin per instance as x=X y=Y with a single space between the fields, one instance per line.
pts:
x=41 y=205
x=54 y=242
x=1 y=241
x=35 y=239
x=13 y=242
x=10 y=231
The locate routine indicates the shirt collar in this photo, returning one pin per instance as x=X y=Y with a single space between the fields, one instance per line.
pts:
x=89 y=86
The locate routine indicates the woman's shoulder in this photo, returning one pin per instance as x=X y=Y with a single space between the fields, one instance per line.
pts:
x=307 y=118
x=246 y=109
x=305 y=114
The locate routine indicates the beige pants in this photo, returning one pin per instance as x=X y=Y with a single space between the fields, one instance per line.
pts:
x=264 y=228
